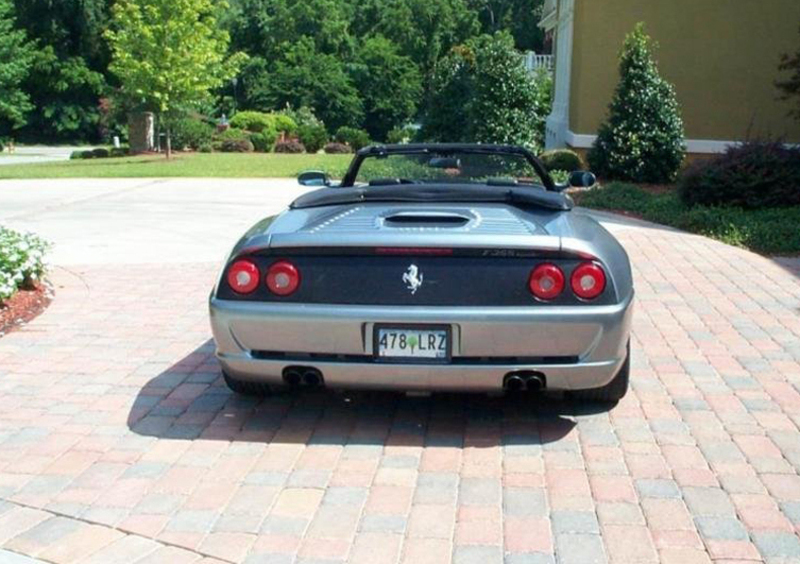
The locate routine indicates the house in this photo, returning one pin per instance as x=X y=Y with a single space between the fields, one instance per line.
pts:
x=721 y=55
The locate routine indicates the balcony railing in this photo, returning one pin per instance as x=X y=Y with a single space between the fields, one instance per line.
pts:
x=534 y=62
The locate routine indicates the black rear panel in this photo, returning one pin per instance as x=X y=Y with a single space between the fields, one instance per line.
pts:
x=445 y=281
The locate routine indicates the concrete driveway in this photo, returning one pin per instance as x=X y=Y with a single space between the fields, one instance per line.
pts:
x=119 y=442
x=33 y=154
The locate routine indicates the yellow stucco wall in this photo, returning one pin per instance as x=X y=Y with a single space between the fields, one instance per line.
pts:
x=721 y=55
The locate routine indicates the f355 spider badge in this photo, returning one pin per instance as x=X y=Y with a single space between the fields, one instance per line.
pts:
x=413 y=278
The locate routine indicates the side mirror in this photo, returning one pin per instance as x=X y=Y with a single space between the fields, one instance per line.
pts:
x=582 y=179
x=313 y=178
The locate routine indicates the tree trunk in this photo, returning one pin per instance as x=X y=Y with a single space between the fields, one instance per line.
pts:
x=169 y=141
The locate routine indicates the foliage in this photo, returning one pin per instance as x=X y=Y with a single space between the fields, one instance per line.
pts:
x=16 y=56
x=120 y=152
x=313 y=137
x=520 y=17
x=75 y=155
x=335 y=148
x=284 y=123
x=264 y=140
x=101 y=153
x=483 y=93
x=21 y=261
x=755 y=174
x=389 y=83
x=402 y=134
x=236 y=146
x=206 y=148
x=169 y=54
x=231 y=137
x=290 y=147
x=642 y=139
x=191 y=132
x=561 y=159
x=303 y=116
x=790 y=87
x=253 y=121
x=769 y=231
x=560 y=176
x=356 y=138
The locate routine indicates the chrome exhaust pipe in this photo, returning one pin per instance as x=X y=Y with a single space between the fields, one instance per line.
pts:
x=514 y=383
x=312 y=378
x=292 y=376
x=535 y=383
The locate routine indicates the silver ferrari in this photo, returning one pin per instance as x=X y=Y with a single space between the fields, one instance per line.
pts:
x=431 y=267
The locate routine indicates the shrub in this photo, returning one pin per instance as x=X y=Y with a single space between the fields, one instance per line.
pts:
x=263 y=141
x=190 y=132
x=75 y=155
x=252 y=121
x=3 y=147
x=560 y=176
x=755 y=174
x=206 y=148
x=561 y=159
x=313 y=137
x=21 y=261
x=401 y=135
x=87 y=154
x=101 y=153
x=120 y=152
x=337 y=149
x=303 y=116
x=289 y=147
x=237 y=146
x=356 y=138
x=284 y=123
x=642 y=139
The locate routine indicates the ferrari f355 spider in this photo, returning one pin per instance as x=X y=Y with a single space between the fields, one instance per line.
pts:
x=430 y=267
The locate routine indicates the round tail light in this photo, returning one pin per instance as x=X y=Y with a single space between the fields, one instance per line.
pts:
x=546 y=281
x=283 y=278
x=588 y=281
x=243 y=276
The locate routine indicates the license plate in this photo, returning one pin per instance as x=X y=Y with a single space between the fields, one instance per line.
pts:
x=412 y=343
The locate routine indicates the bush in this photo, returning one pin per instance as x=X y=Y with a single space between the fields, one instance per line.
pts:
x=252 y=121
x=206 y=148
x=3 y=147
x=101 y=153
x=756 y=174
x=21 y=261
x=75 y=155
x=642 y=140
x=190 y=132
x=313 y=137
x=237 y=146
x=303 y=116
x=561 y=159
x=263 y=142
x=120 y=152
x=289 y=147
x=401 y=135
x=356 y=138
x=284 y=124
x=337 y=149
x=560 y=177
x=87 y=154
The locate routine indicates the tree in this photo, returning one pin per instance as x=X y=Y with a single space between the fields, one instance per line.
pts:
x=16 y=55
x=304 y=77
x=168 y=54
x=642 y=139
x=519 y=17
x=390 y=85
x=483 y=93
x=67 y=75
x=790 y=87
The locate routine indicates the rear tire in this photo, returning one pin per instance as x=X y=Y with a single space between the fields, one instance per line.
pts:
x=614 y=391
x=245 y=387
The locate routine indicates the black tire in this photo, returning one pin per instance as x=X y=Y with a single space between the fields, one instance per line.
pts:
x=245 y=387
x=614 y=391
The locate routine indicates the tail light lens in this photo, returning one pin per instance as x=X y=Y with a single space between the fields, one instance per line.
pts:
x=588 y=281
x=546 y=281
x=243 y=276
x=283 y=278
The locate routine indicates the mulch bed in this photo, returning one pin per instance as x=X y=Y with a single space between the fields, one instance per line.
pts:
x=24 y=306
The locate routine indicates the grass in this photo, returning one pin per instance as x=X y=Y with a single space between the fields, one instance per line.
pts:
x=216 y=165
x=771 y=231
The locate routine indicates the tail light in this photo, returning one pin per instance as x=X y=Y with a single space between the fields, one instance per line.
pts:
x=243 y=276
x=546 y=281
x=588 y=281
x=283 y=278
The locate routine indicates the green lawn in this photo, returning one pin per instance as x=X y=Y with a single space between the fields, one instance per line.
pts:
x=772 y=231
x=229 y=165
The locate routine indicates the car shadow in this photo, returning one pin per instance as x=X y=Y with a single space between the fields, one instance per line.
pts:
x=190 y=401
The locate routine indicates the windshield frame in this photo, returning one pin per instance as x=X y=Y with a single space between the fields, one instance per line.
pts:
x=443 y=149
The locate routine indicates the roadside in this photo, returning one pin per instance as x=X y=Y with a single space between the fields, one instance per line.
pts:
x=36 y=154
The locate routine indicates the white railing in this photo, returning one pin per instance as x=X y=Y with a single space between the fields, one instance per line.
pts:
x=534 y=62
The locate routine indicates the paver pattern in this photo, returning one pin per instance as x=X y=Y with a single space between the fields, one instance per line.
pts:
x=120 y=443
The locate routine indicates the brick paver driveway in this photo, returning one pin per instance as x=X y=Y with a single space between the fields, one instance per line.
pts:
x=118 y=440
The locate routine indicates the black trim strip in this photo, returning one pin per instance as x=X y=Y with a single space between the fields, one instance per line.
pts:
x=369 y=359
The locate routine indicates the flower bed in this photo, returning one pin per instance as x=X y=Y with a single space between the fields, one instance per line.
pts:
x=21 y=261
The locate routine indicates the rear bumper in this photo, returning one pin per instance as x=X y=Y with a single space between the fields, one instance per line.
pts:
x=576 y=347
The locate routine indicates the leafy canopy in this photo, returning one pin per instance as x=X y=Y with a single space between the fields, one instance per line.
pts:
x=16 y=56
x=642 y=139
x=168 y=54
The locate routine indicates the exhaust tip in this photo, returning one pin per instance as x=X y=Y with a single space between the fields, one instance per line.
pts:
x=312 y=378
x=514 y=383
x=535 y=383
x=292 y=377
